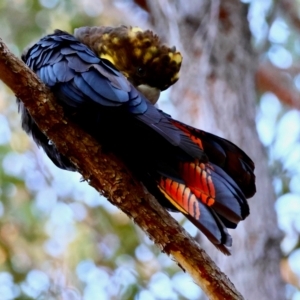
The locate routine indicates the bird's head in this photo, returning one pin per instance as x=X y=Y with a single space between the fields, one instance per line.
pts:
x=144 y=60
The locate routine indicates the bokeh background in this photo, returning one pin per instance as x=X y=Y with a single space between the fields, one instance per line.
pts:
x=59 y=239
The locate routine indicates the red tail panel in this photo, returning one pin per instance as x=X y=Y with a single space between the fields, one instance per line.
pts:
x=234 y=161
x=188 y=132
x=201 y=215
x=198 y=178
x=180 y=196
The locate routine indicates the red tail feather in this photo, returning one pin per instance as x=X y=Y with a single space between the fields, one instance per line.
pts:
x=234 y=161
x=211 y=194
x=198 y=213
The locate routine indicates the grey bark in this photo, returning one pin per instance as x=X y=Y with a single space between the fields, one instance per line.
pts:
x=216 y=92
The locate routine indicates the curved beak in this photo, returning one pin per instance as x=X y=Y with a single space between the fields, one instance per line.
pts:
x=151 y=93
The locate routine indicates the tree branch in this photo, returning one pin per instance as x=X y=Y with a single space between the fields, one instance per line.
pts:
x=277 y=81
x=290 y=9
x=111 y=178
x=143 y=4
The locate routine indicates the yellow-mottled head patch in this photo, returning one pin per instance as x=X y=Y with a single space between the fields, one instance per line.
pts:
x=138 y=54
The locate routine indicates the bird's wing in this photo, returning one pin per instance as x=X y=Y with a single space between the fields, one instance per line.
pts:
x=78 y=76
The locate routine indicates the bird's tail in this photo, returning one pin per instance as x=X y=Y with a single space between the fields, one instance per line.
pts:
x=212 y=195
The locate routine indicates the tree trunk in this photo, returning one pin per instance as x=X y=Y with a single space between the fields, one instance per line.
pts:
x=216 y=92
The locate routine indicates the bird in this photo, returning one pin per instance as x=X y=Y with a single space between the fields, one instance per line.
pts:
x=108 y=80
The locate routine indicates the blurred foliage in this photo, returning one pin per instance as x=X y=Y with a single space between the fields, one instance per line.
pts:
x=59 y=239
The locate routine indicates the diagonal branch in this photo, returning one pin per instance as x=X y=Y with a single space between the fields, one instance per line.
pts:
x=112 y=179
x=277 y=81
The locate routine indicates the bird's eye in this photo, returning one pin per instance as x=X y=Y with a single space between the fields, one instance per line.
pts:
x=141 y=71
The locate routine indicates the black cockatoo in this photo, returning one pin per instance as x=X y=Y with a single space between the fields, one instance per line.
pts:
x=108 y=79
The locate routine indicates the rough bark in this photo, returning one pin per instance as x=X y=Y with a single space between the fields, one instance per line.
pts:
x=216 y=92
x=111 y=178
